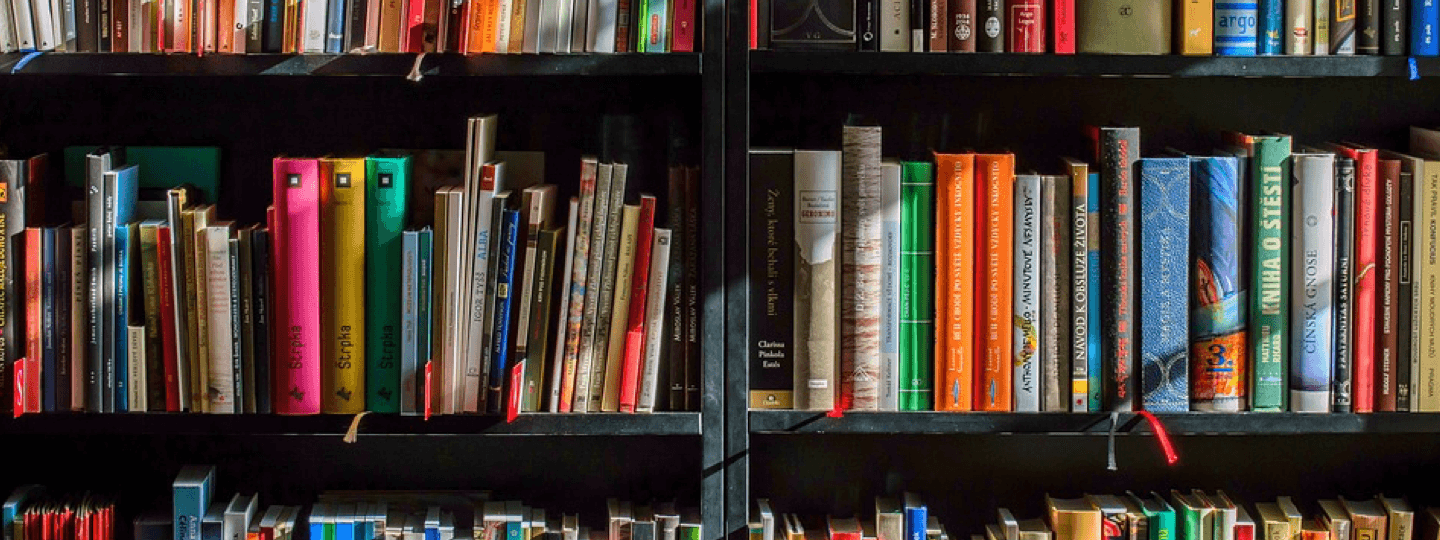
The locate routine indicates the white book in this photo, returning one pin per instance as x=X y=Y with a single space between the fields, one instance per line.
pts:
x=1312 y=290
x=894 y=26
x=584 y=371
x=217 y=274
x=817 y=276
x=22 y=25
x=57 y=23
x=44 y=21
x=547 y=31
x=312 y=27
x=7 y=28
x=454 y=310
x=530 y=43
x=481 y=192
x=890 y=286
x=655 y=348
x=502 y=28
x=1027 y=294
x=135 y=358
x=576 y=23
x=562 y=310
x=600 y=26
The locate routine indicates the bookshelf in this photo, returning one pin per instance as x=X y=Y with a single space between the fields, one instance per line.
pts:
x=372 y=65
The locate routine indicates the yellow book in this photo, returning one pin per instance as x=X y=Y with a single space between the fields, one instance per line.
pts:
x=196 y=379
x=200 y=399
x=1426 y=348
x=1197 y=33
x=342 y=285
x=620 y=314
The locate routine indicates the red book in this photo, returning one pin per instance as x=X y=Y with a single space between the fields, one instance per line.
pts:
x=33 y=319
x=1062 y=26
x=844 y=529
x=635 y=327
x=682 y=38
x=1362 y=327
x=413 y=40
x=1026 y=19
x=754 y=24
x=168 y=339
x=1388 y=260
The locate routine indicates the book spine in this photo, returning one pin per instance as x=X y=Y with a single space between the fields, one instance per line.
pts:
x=867 y=25
x=217 y=272
x=1366 y=238
x=12 y=294
x=190 y=503
x=1055 y=292
x=1310 y=295
x=1026 y=33
x=254 y=28
x=1119 y=148
x=655 y=319
x=505 y=281
x=1368 y=26
x=1220 y=364
x=1062 y=27
x=224 y=25
x=1096 y=364
x=62 y=303
x=657 y=26
x=1299 y=18
x=1424 y=17
x=1027 y=330
x=614 y=323
x=675 y=366
x=1320 y=42
x=861 y=238
x=1386 y=302
x=580 y=253
x=119 y=371
x=991 y=18
x=1342 y=27
x=1393 y=31
x=916 y=287
x=242 y=252
x=95 y=220
x=586 y=368
x=1269 y=26
x=1344 y=289
x=919 y=25
x=1077 y=250
x=1235 y=28
x=890 y=318
x=691 y=245
x=1196 y=35
x=297 y=235
x=1405 y=300
x=956 y=348
x=237 y=327
x=1270 y=271
x=342 y=249
x=478 y=326
x=154 y=358
x=409 y=336
x=34 y=319
x=199 y=388
x=995 y=179
x=635 y=327
x=24 y=33
x=1425 y=395
x=562 y=373
x=49 y=367
x=335 y=26
x=425 y=353
x=960 y=25
x=78 y=311
x=682 y=26
x=313 y=27
x=894 y=26
x=165 y=268
x=539 y=352
x=387 y=189
x=263 y=315
x=1164 y=282
x=817 y=216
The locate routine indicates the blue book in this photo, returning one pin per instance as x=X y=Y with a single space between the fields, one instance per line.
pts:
x=432 y=523
x=192 y=490
x=49 y=353
x=514 y=530
x=1269 y=26
x=915 y=516
x=425 y=271
x=1235 y=32
x=345 y=523
x=122 y=323
x=335 y=26
x=120 y=189
x=212 y=525
x=1164 y=283
x=1092 y=339
x=504 y=283
x=1424 y=17
x=409 y=314
x=1217 y=324
x=317 y=521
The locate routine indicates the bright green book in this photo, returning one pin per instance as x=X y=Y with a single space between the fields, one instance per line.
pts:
x=917 y=285
x=1159 y=516
x=386 y=188
x=1193 y=517
x=1270 y=270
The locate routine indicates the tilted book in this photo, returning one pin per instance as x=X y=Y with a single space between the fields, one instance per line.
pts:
x=817 y=317
x=918 y=290
x=297 y=279
x=12 y=183
x=504 y=301
x=995 y=180
x=772 y=270
x=609 y=268
x=387 y=189
x=1314 y=258
x=1344 y=298
x=655 y=348
x=342 y=250
x=861 y=238
x=483 y=375
x=1164 y=283
x=1219 y=355
x=890 y=179
x=585 y=370
x=1095 y=367
x=538 y=368
x=1055 y=279
x=1118 y=148
x=1027 y=377
x=182 y=294
x=121 y=188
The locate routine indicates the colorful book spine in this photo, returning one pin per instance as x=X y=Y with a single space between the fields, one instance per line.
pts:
x=817 y=316
x=32 y=401
x=861 y=238
x=297 y=280
x=1344 y=299
x=1269 y=26
x=168 y=331
x=1026 y=32
x=1424 y=17
x=1320 y=43
x=1095 y=367
x=1164 y=283
x=191 y=491
x=1386 y=259
x=387 y=190
x=955 y=298
x=150 y=310
x=580 y=252
x=891 y=178
x=1118 y=149
x=995 y=180
x=1342 y=27
x=342 y=247
x=917 y=287
x=1195 y=34
x=1055 y=277
x=1078 y=252
x=1270 y=270
x=1299 y=31
x=773 y=261
x=1219 y=351
x=504 y=301
x=634 y=352
x=1312 y=316
x=1366 y=238
x=1026 y=308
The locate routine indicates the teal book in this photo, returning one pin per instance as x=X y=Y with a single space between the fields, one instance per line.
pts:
x=1159 y=516
x=425 y=272
x=386 y=187
x=160 y=167
x=1093 y=354
x=1269 y=312
x=917 y=285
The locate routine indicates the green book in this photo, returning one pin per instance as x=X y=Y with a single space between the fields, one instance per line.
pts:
x=1159 y=516
x=424 y=277
x=386 y=188
x=917 y=285
x=1270 y=270
x=160 y=167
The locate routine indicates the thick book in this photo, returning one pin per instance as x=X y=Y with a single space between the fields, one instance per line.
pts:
x=992 y=19
x=1218 y=331
x=1411 y=168
x=538 y=204
x=1387 y=303
x=1270 y=268
x=31 y=400
x=959 y=24
x=1394 y=33
x=13 y=180
x=1363 y=328
x=894 y=26
x=994 y=181
x=861 y=242
x=817 y=315
x=890 y=179
x=1312 y=305
x=1077 y=253
x=1163 y=286
x=1344 y=298
x=1027 y=323
x=1299 y=19
x=1424 y=18
x=387 y=188
x=799 y=25
x=1195 y=34
x=192 y=490
x=504 y=300
x=655 y=346
x=595 y=285
x=1270 y=26
x=1118 y=149
x=221 y=386
x=296 y=235
x=634 y=338
x=1425 y=397
x=610 y=266
x=918 y=290
x=97 y=163
x=1121 y=27
x=1235 y=28
x=1367 y=27
x=867 y=25
x=579 y=280
x=342 y=260
x=936 y=23
x=772 y=269
x=1343 y=15
x=1055 y=281
x=1026 y=30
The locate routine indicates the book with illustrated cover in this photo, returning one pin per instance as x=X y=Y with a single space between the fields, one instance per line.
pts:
x=1027 y=370
x=1269 y=267
x=817 y=317
x=578 y=289
x=1219 y=354
x=342 y=250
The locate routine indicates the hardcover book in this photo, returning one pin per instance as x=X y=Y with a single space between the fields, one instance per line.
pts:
x=1055 y=281
x=890 y=318
x=1367 y=23
x=1077 y=251
x=1270 y=26
x=386 y=192
x=297 y=279
x=1235 y=29
x=1363 y=268
x=961 y=28
x=1219 y=351
x=812 y=24
x=861 y=238
x=342 y=248
x=1298 y=32
x=995 y=179
x=1026 y=33
x=1424 y=17
x=1314 y=256
x=1270 y=268
x=817 y=317
x=1342 y=27
x=1120 y=27
x=1164 y=281
x=772 y=264
x=1027 y=278
x=992 y=20
x=956 y=347
x=1344 y=288
x=918 y=339
x=1394 y=33
x=1118 y=150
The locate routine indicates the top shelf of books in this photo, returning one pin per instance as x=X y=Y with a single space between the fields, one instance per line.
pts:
x=818 y=422
x=1004 y=64
x=380 y=65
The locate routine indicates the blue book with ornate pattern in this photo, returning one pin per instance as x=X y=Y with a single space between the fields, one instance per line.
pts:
x=1164 y=283
x=1235 y=28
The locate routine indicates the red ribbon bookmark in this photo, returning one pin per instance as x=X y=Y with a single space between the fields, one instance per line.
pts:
x=1164 y=437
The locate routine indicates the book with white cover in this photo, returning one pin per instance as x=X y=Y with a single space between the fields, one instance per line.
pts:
x=600 y=27
x=1311 y=295
x=817 y=276
x=890 y=286
x=24 y=30
x=1027 y=293
x=654 y=320
x=221 y=387
x=313 y=21
x=562 y=311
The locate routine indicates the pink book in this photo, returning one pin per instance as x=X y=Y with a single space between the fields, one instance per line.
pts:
x=682 y=38
x=635 y=326
x=297 y=277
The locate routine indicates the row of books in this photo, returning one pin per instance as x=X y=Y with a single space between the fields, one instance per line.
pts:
x=352 y=297
x=348 y=26
x=1190 y=27
x=1269 y=276
x=1190 y=516
x=30 y=513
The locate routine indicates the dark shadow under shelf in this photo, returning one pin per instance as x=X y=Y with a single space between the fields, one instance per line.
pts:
x=860 y=423
x=379 y=65
x=599 y=424
x=856 y=63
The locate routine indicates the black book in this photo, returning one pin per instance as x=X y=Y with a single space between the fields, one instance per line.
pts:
x=12 y=252
x=690 y=244
x=148 y=266
x=813 y=25
x=61 y=303
x=990 y=27
x=867 y=24
x=354 y=26
x=1344 y=293
x=1367 y=27
x=1405 y=299
x=102 y=25
x=762 y=24
x=272 y=31
x=1119 y=149
x=1393 y=31
x=96 y=164
x=260 y=316
x=255 y=26
x=49 y=357
x=772 y=271
x=919 y=19
x=237 y=329
x=246 y=298
x=675 y=294
x=87 y=37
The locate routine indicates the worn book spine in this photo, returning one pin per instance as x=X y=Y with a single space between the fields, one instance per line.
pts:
x=1270 y=271
x=918 y=288
x=1196 y=34
x=609 y=288
x=1235 y=29
x=1270 y=26
x=386 y=192
x=1312 y=305
x=955 y=295
x=960 y=15
x=1118 y=150
x=580 y=253
x=585 y=372
x=1164 y=281
x=817 y=337
x=990 y=25
x=1344 y=298
x=1055 y=277
x=1299 y=19
x=772 y=267
x=1026 y=31
x=1364 y=308
x=1218 y=350
x=995 y=180
x=1342 y=27
x=891 y=177
x=1424 y=17
x=1387 y=307
x=297 y=279
x=1076 y=251
x=217 y=274
x=861 y=268
x=1027 y=331
x=538 y=203
x=655 y=320
x=1405 y=295
x=342 y=249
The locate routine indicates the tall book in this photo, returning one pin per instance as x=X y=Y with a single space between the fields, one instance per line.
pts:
x=918 y=290
x=150 y=277
x=1311 y=307
x=177 y=200
x=485 y=189
x=1387 y=303
x=634 y=340
x=1343 y=21
x=506 y=246
x=1424 y=17
x=538 y=370
x=49 y=352
x=861 y=238
x=595 y=285
x=1363 y=327
x=620 y=307
x=28 y=369
x=79 y=248
x=609 y=269
x=1164 y=282
x=579 y=279
x=531 y=322
x=236 y=327
x=690 y=255
x=1095 y=367
x=97 y=163
x=1411 y=168
x=1118 y=148
x=655 y=346
x=562 y=372
x=217 y=301
x=1218 y=349
x=409 y=321
x=890 y=318
x=956 y=300
x=1055 y=282
x=242 y=253
x=1077 y=253
x=995 y=184
x=1344 y=299
x=262 y=317
x=195 y=243
x=342 y=251
x=1270 y=268
x=296 y=235
x=817 y=315
x=1425 y=396
x=1235 y=28
x=772 y=269
x=169 y=334
x=387 y=190
x=1269 y=27
x=121 y=187
x=1027 y=323
x=13 y=180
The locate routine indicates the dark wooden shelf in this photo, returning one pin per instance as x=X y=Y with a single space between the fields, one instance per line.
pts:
x=602 y=424
x=377 y=65
x=855 y=63
x=854 y=423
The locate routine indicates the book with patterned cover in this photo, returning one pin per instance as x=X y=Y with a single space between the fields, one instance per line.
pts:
x=1219 y=356
x=861 y=268
x=1164 y=283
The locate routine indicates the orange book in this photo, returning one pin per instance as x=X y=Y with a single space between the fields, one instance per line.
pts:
x=995 y=179
x=955 y=290
x=484 y=18
x=225 y=26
